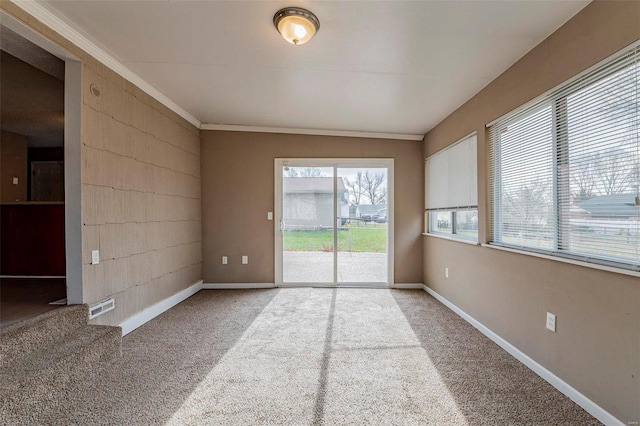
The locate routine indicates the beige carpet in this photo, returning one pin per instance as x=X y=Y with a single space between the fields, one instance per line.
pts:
x=44 y=358
x=312 y=356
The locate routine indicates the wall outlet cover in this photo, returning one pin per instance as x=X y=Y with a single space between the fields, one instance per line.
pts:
x=551 y=322
x=245 y=260
x=95 y=257
x=15 y=180
x=224 y=260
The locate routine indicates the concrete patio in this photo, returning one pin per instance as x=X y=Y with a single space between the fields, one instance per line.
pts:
x=317 y=267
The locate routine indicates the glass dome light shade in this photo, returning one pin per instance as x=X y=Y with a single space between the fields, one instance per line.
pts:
x=296 y=25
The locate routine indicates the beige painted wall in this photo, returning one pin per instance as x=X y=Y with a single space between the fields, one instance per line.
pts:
x=238 y=191
x=140 y=190
x=13 y=163
x=597 y=345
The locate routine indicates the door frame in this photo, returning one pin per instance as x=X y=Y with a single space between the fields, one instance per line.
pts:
x=336 y=163
x=72 y=152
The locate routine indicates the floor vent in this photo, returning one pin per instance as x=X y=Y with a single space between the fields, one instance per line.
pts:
x=102 y=307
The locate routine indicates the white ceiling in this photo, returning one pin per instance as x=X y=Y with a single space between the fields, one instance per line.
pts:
x=374 y=66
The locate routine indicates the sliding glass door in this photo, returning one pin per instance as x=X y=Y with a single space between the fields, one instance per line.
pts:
x=333 y=221
x=307 y=225
x=363 y=231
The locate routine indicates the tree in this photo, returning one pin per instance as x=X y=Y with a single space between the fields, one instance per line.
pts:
x=603 y=173
x=367 y=186
x=529 y=205
x=356 y=188
x=583 y=178
x=311 y=172
x=615 y=168
x=615 y=172
x=375 y=187
x=303 y=172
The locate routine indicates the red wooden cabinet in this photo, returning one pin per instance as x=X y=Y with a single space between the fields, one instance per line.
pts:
x=32 y=239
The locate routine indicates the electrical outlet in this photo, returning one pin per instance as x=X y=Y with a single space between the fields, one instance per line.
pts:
x=245 y=260
x=269 y=215
x=95 y=257
x=551 y=322
x=446 y=272
x=224 y=260
x=15 y=180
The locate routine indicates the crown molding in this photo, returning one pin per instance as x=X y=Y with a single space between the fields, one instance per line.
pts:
x=315 y=132
x=54 y=22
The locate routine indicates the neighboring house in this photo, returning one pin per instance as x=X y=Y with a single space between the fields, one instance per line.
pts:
x=353 y=210
x=606 y=214
x=615 y=206
x=308 y=202
x=576 y=212
x=368 y=211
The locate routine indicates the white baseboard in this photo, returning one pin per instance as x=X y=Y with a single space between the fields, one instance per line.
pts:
x=236 y=286
x=589 y=406
x=240 y=286
x=408 y=285
x=153 y=311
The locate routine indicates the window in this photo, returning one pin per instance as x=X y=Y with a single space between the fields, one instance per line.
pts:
x=566 y=169
x=451 y=191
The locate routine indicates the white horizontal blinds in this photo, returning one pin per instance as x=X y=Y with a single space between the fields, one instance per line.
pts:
x=601 y=155
x=524 y=201
x=436 y=181
x=451 y=177
x=463 y=173
x=566 y=171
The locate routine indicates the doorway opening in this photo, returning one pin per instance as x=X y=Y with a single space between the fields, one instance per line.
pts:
x=40 y=117
x=334 y=222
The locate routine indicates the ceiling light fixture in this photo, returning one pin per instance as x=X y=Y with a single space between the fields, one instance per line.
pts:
x=296 y=25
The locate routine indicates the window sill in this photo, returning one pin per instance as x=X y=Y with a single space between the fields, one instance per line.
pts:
x=565 y=260
x=457 y=240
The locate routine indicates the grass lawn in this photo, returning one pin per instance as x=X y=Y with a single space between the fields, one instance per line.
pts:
x=370 y=240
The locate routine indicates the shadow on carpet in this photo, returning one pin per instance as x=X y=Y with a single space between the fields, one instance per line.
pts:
x=489 y=385
x=163 y=361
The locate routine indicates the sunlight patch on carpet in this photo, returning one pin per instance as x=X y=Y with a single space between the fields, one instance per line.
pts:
x=283 y=370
